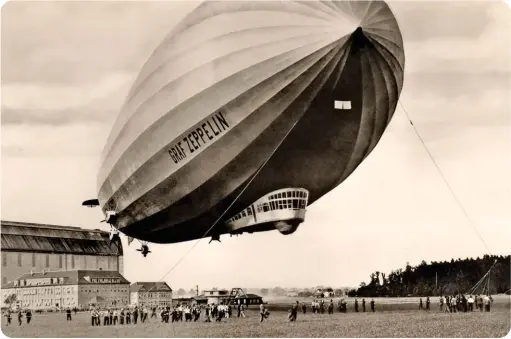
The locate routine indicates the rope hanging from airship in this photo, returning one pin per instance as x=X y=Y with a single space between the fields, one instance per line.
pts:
x=444 y=178
x=233 y=202
x=271 y=154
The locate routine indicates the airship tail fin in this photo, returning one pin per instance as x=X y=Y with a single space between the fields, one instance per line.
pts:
x=91 y=203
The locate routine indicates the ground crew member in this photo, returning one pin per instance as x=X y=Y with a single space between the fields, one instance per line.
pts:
x=106 y=318
x=208 y=314
x=128 y=316
x=363 y=305
x=116 y=317
x=28 y=315
x=470 y=304
x=420 y=304
x=262 y=312
x=294 y=311
x=372 y=305
x=146 y=312
x=356 y=305
x=20 y=317
x=8 y=316
x=427 y=303
x=487 y=303
x=331 y=307
x=135 y=315
x=243 y=310
x=153 y=313
x=304 y=308
x=68 y=312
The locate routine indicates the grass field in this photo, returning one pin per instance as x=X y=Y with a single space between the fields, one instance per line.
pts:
x=395 y=321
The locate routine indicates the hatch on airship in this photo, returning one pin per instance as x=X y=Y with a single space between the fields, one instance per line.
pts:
x=284 y=208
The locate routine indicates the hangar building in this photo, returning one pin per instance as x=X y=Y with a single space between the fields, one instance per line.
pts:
x=29 y=247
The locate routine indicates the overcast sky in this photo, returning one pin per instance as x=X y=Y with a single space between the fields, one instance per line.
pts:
x=66 y=68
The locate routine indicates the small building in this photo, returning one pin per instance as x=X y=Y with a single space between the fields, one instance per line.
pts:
x=152 y=294
x=324 y=293
x=223 y=296
x=216 y=296
x=63 y=289
x=248 y=299
x=33 y=247
x=199 y=300
x=181 y=301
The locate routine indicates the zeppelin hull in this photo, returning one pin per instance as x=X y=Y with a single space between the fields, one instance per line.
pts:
x=277 y=125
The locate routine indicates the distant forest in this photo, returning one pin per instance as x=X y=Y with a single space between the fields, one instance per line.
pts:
x=439 y=278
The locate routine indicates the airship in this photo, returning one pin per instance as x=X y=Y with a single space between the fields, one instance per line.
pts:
x=247 y=113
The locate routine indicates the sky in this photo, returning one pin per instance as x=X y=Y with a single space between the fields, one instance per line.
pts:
x=67 y=67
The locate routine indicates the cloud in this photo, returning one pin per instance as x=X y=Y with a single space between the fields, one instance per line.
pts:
x=466 y=37
x=42 y=140
x=74 y=42
x=26 y=103
x=424 y=20
x=458 y=99
x=53 y=97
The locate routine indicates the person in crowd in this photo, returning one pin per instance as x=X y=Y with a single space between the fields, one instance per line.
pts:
x=470 y=302
x=20 y=317
x=115 y=317
x=106 y=318
x=331 y=307
x=263 y=312
x=135 y=315
x=28 y=315
x=487 y=303
x=8 y=316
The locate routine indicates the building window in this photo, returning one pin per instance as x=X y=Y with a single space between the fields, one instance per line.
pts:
x=72 y=261
x=60 y=261
x=33 y=259
x=47 y=260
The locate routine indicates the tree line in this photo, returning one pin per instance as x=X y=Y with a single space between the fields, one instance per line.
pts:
x=439 y=278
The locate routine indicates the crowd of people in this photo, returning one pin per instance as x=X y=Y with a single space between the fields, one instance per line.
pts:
x=27 y=313
x=193 y=312
x=460 y=303
x=179 y=312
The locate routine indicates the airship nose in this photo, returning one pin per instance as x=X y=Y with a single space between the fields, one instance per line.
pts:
x=358 y=37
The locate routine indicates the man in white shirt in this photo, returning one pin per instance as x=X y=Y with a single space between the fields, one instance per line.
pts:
x=486 y=301
x=470 y=304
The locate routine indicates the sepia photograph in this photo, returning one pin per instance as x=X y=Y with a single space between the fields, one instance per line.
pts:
x=255 y=168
